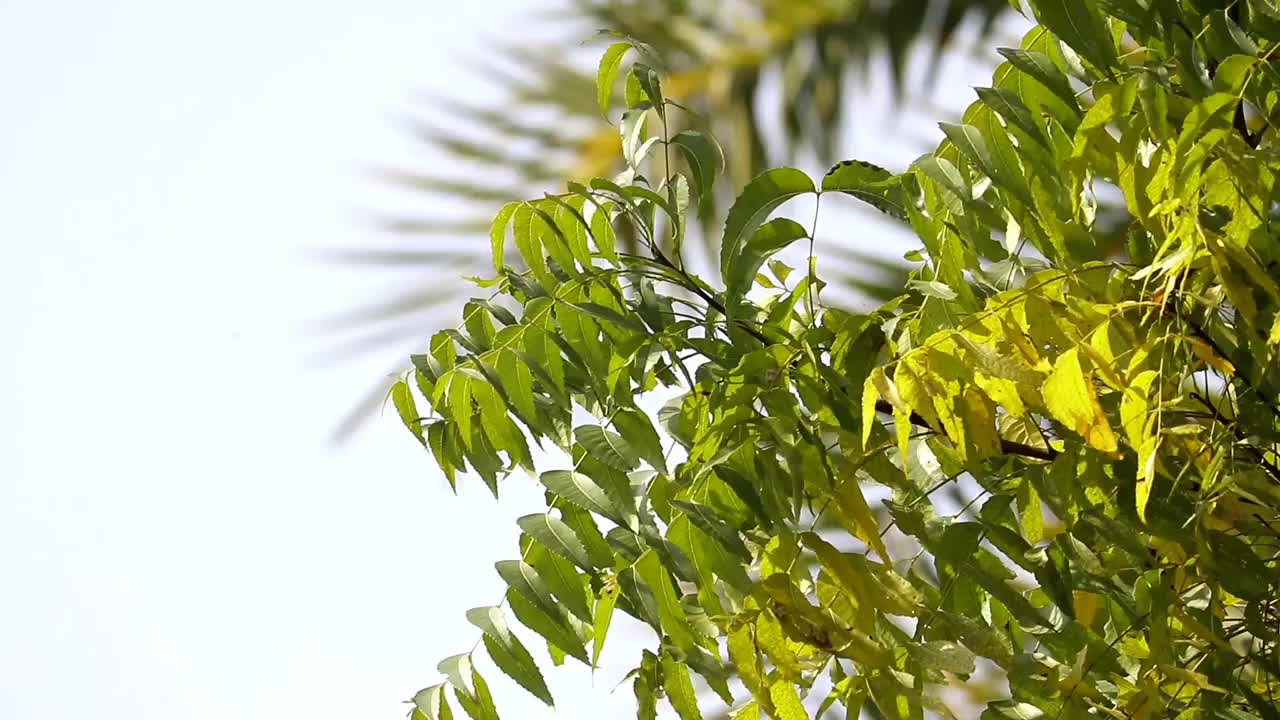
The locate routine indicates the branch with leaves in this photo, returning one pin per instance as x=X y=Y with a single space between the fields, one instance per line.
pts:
x=777 y=521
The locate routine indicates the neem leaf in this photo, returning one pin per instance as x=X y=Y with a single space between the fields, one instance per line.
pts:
x=602 y=617
x=638 y=430
x=558 y=537
x=970 y=142
x=943 y=655
x=607 y=447
x=515 y=661
x=431 y=702
x=402 y=397
x=479 y=703
x=1040 y=67
x=679 y=686
x=786 y=701
x=1079 y=24
x=498 y=234
x=869 y=183
x=610 y=315
x=649 y=82
x=1013 y=110
x=706 y=520
x=760 y=197
x=856 y=515
x=524 y=579
x=581 y=491
x=705 y=159
x=608 y=73
x=1072 y=401
x=769 y=239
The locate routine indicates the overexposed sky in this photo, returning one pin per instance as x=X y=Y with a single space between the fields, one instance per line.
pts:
x=178 y=537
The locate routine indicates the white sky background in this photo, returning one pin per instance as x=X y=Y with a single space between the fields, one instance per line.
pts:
x=177 y=537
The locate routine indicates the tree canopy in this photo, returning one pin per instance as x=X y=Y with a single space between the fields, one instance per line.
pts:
x=1052 y=456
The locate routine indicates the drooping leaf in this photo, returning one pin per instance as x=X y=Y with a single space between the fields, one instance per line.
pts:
x=704 y=157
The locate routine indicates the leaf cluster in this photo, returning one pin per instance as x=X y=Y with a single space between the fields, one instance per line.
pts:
x=782 y=520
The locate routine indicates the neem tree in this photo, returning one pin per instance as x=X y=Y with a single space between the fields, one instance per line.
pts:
x=1116 y=410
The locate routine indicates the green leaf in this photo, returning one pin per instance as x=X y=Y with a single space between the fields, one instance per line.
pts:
x=1040 y=67
x=564 y=582
x=760 y=197
x=607 y=447
x=856 y=515
x=767 y=240
x=646 y=687
x=601 y=619
x=869 y=183
x=402 y=398
x=1013 y=110
x=498 y=234
x=679 y=686
x=786 y=701
x=706 y=520
x=582 y=491
x=649 y=82
x=1239 y=568
x=943 y=655
x=638 y=429
x=671 y=615
x=608 y=73
x=705 y=159
x=1079 y=24
x=551 y=625
x=491 y=622
x=432 y=703
x=516 y=663
x=479 y=704
x=933 y=289
x=610 y=315
x=969 y=140
x=558 y=537
x=1030 y=514
x=524 y=579
x=870 y=582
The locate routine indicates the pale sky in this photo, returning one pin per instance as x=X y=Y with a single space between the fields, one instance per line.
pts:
x=177 y=536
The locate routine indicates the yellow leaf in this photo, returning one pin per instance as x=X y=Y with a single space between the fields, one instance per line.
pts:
x=1275 y=332
x=901 y=411
x=869 y=397
x=914 y=391
x=1135 y=407
x=1071 y=399
x=980 y=420
x=1146 y=474
x=1086 y=606
x=1206 y=353
x=786 y=702
x=857 y=516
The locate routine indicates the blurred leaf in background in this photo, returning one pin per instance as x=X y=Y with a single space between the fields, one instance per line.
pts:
x=778 y=81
